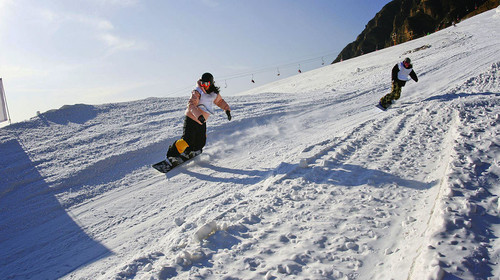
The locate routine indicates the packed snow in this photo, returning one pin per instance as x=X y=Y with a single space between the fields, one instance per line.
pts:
x=308 y=181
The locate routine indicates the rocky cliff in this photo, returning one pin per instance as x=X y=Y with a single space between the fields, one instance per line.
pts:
x=403 y=20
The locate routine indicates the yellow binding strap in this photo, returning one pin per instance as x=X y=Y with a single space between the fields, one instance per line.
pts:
x=181 y=145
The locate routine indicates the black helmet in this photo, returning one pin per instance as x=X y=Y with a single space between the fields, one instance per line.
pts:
x=407 y=60
x=207 y=77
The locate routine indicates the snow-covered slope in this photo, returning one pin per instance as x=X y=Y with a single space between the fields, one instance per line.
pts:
x=308 y=181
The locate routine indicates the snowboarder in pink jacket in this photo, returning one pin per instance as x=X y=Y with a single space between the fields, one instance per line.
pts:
x=199 y=108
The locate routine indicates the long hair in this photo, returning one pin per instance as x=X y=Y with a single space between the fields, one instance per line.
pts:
x=213 y=88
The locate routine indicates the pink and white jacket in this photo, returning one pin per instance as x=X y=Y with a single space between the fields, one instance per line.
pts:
x=201 y=103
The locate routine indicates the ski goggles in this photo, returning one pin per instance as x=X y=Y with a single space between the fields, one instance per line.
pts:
x=205 y=84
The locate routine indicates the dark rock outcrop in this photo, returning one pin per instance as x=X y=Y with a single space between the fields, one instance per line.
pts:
x=403 y=20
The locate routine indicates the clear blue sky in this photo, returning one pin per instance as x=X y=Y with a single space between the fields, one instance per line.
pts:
x=58 y=52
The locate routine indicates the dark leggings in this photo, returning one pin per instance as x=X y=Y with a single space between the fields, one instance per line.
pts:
x=194 y=134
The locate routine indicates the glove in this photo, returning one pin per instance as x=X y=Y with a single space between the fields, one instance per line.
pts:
x=201 y=118
x=228 y=113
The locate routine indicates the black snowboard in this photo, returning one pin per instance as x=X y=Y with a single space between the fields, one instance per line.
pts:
x=379 y=105
x=382 y=108
x=164 y=167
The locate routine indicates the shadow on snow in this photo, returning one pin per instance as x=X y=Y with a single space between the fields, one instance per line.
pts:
x=453 y=96
x=39 y=239
x=348 y=175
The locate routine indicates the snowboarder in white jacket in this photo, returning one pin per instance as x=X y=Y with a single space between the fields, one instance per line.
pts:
x=199 y=108
x=401 y=73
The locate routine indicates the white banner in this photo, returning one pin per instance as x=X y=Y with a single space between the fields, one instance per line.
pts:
x=3 y=104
